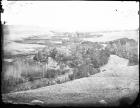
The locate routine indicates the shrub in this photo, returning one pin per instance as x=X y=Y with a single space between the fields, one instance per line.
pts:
x=32 y=85
x=59 y=57
x=71 y=76
x=84 y=70
x=31 y=78
x=41 y=57
x=62 y=78
x=51 y=73
x=94 y=71
x=103 y=57
x=94 y=63
x=10 y=83
x=125 y=101
x=53 y=53
x=37 y=84
x=133 y=60
x=58 y=82
x=81 y=71
x=125 y=48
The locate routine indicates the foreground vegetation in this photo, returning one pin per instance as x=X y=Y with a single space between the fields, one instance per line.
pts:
x=53 y=66
x=125 y=48
x=50 y=66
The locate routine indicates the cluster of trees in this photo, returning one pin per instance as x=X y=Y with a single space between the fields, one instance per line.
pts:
x=125 y=48
x=85 y=58
x=88 y=60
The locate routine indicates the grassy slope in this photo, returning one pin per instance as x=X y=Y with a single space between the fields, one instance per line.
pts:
x=87 y=90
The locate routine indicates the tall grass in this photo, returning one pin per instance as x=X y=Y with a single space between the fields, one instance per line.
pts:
x=23 y=71
x=19 y=72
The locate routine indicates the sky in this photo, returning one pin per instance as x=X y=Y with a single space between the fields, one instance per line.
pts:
x=73 y=15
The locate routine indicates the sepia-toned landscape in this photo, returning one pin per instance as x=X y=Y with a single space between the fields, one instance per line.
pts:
x=69 y=68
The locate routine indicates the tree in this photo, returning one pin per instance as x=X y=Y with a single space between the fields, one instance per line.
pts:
x=53 y=53
x=41 y=57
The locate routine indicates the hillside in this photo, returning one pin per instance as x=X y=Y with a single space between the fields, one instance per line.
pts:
x=69 y=67
x=105 y=85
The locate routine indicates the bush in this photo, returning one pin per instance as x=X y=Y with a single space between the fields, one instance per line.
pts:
x=133 y=60
x=10 y=83
x=32 y=85
x=41 y=57
x=33 y=75
x=94 y=71
x=51 y=73
x=59 y=57
x=58 y=82
x=125 y=48
x=71 y=76
x=31 y=78
x=64 y=72
x=103 y=57
x=125 y=102
x=53 y=53
x=84 y=71
x=94 y=63
x=81 y=71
